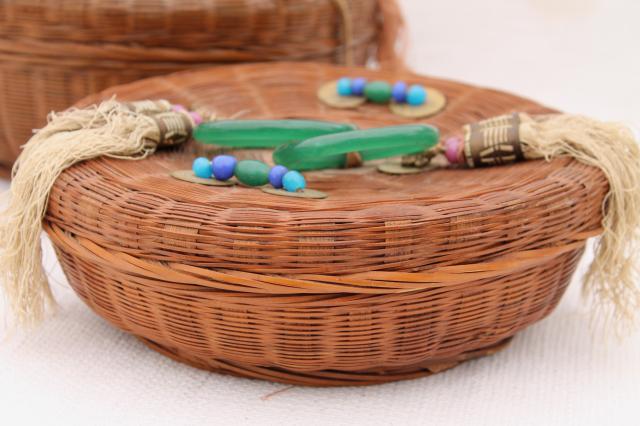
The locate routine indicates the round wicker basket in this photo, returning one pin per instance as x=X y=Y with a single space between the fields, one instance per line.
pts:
x=391 y=277
x=54 y=53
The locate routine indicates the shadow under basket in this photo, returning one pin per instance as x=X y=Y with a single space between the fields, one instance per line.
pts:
x=390 y=277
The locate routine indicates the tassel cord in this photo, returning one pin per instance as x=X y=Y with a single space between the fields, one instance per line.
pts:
x=111 y=129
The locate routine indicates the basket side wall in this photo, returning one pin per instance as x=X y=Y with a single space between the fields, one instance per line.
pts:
x=312 y=334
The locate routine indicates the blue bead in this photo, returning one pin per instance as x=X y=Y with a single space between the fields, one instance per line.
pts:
x=399 y=92
x=416 y=95
x=223 y=166
x=276 y=174
x=202 y=167
x=344 y=86
x=357 y=86
x=293 y=181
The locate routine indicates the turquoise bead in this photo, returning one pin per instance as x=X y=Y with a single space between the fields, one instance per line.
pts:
x=293 y=181
x=202 y=168
x=416 y=95
x=344 y=86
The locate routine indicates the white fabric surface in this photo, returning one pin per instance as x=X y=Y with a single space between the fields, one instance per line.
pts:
x=577 y=55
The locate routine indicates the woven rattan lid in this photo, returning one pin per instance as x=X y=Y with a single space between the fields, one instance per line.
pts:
x=370 y=221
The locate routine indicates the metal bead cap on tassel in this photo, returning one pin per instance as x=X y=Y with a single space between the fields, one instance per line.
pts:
x=493 y=142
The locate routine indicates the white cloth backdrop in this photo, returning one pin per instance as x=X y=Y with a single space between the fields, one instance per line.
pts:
x=577 y=55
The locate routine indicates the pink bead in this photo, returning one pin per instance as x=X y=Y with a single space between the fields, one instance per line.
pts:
x=452 y=149
x=178 y=108
x=196 y=117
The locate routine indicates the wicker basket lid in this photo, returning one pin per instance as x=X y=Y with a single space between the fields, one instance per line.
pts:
x=370 y=222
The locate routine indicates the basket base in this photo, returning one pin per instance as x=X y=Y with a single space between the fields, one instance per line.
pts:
x=328 y=377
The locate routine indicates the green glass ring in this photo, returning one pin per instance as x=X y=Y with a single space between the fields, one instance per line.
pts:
x=331 y=151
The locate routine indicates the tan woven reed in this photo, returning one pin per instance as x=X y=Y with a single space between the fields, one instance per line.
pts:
x=54 y=53
x=391 y=277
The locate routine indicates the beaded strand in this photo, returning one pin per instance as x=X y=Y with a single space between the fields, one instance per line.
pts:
x=248 y=172
x=381 y=92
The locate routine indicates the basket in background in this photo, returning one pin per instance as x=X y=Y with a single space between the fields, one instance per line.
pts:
x=54 y=53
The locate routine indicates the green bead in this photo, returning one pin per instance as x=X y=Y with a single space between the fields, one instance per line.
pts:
x=330 y=151
x=252 y=172
x=264 y=133
x=378 y=92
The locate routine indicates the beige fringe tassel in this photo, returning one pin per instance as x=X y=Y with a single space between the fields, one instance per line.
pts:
x=611 y=283
x=128 y=131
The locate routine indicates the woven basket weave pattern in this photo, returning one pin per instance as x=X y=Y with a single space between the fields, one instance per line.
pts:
x=55 y=53
x=390 y=277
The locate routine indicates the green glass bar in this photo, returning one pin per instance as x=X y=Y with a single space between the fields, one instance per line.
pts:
x=264 y=133
x=330 y=151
